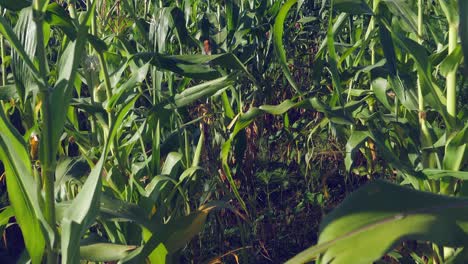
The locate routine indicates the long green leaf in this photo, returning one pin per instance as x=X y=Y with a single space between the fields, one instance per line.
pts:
x=22 y=189
x=456 y=150
x=10 y=35
x=278 y=44
x=85 y=207
x=203 y=90
x=374 y=219
x=355 y=7
x=25 y=29
x=105 y=252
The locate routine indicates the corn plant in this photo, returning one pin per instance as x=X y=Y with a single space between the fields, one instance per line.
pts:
x=115 y=202
x=376 y=218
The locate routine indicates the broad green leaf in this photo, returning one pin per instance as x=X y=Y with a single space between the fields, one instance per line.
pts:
x=171 y=162
x=183 y=229
x=85 y=207
x=114 y=210
x=456 y=150
x=406 y=95
x=452 y=61
x=198 y=152
x=377 y=217
x=432 y=93
x=118 y=210
x=337 y=26
x=379 y=87
x=202 y=91
x=25 y=30
x=387 y=42
x=355 y=7
x=69 y=168
x=15 y=43
x=105 y=252
x=438 y=174
x=14 y=5
x=403 y=11
x=124 y=90
x=57 y=16
x=450 y=10
x=159 y=254
x=278 y=44
x=63 y=89
x=195 y=66
x=8 y=92
x=5 y=215
x=22 y=189
x=355 y=141
x=176 y=233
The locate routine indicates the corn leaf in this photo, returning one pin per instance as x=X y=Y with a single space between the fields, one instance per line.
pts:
x=377 y=217
x=101 y=252
x=355 y=7
x=85 y=207
x=25 y=29
x=22 y=189
x=456 y=150
x=278 y=44
x=14 y=5
x=203 y=90
x=15 y=43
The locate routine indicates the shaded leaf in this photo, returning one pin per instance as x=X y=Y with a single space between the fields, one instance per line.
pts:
x=278 y=44
x=15 y=5
x=355 y=7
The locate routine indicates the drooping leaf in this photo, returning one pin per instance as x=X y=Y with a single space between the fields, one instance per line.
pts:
x=355 y=7
x=14 y=5
x=203 y=90
x=379 y=86
x=175 y=234
x=105 y=252
x=439 y=174
x=57 y=16
x=195 y=66
x=377 y=217
x=278 y=44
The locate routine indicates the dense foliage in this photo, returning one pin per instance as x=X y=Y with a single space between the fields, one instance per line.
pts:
x=222 y=131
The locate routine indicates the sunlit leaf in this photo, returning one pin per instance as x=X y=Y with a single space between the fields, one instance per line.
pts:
x=377 y=217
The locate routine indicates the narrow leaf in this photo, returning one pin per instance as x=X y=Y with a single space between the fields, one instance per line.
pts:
x=278 y=30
